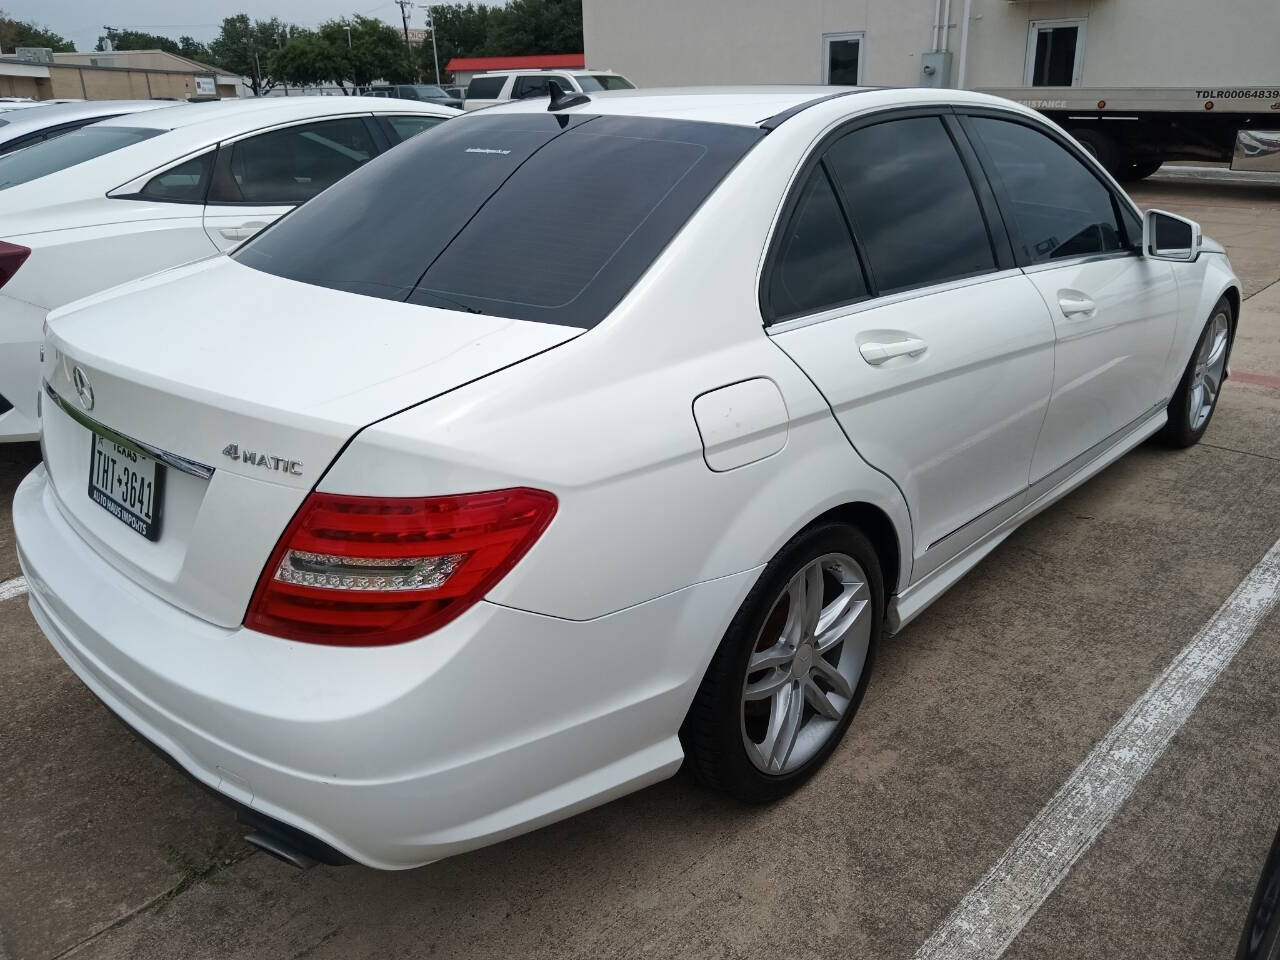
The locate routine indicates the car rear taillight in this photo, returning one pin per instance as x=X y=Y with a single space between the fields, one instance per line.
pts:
x=12 y=257
x=369 y=571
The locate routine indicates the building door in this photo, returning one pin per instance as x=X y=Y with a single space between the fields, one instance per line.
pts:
x=1055 y=53
x=842 y=58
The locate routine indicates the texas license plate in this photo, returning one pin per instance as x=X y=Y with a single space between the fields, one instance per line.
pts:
x=127 y=484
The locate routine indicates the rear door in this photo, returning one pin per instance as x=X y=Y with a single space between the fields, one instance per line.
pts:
x=1114 y=312
x=892 y=285
x=260 y=177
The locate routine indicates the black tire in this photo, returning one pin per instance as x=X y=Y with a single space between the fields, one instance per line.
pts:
x=712 y=733
x=1178 y=431
x=1261 y=937
x=1140 y=170
x=1104 y=149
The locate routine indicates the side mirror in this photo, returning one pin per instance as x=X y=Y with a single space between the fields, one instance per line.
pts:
x=1166 y=236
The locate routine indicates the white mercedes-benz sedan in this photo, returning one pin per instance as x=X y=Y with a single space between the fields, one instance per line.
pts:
x=139 y=193
x=615 y=443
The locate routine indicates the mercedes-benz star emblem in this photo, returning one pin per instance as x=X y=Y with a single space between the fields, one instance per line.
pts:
x=84 y=389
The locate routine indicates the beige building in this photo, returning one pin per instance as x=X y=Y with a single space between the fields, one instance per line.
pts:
x=121 y=75
x=1096 y=43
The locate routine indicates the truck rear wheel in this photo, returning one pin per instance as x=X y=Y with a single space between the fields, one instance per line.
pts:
x=1104 y=149
x=1141 y=169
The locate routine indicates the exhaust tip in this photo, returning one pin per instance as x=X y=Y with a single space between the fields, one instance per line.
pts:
x=278 y=848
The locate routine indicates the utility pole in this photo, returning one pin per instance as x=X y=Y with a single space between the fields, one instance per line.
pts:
x=108 y=42
x=404 y=6
x=431 y=25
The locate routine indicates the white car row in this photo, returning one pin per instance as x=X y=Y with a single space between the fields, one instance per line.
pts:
x=578 y=439
x=144 y=191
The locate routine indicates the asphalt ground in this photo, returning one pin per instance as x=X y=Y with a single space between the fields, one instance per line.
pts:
x=977 y=715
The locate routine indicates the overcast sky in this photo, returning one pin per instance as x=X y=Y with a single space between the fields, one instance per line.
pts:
x=81 y=21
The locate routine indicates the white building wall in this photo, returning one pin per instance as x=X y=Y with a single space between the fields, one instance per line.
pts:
x=1127 y=42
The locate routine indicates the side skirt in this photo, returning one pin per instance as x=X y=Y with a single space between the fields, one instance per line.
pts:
x=916 y=598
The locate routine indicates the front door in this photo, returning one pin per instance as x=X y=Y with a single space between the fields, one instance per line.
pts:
x=1114 y=312
x=888 y=287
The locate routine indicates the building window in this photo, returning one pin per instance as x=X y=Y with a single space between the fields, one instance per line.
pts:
x=1055 y=53
x=842 y=58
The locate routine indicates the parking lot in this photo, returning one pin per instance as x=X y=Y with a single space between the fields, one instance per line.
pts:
x=977 y=714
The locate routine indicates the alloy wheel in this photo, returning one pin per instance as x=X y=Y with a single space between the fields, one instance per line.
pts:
x=806 y=664
x=1206 y=379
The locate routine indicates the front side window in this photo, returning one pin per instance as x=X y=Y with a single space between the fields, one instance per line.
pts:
x=603 y=81
x=485 y=88
x=1060 y=209
x=531 y=216
x=913 y=208
x=291 y=165
x=50 y=156
x=816 y=267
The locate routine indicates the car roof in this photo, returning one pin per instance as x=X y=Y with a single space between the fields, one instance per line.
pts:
x=751 y=106
x=218 y=118
x=571 y=71
x=51 y=114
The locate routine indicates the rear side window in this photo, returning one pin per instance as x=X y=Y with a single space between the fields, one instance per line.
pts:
x=1059 y=207
x=913 y=208
x=402 y=128
x=485 y=88
x=603 y=81
x=185 y=183
x=291 y=165
x=816 y=267
x=529 y=216
x=79 y=146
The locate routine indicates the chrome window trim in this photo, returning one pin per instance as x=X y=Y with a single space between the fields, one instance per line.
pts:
x=901 y=296
x=191 y=467
x=1081 y=261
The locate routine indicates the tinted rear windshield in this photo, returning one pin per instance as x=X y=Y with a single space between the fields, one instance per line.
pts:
x=603 y=81
x=50 y=156
x=531 y=216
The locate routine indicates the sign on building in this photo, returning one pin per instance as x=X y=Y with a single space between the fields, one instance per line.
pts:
x=206 y=87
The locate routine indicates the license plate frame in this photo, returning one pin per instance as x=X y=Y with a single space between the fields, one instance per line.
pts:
x=118 y=466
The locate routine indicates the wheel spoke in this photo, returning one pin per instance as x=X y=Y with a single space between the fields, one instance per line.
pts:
x=779 y=655
x=767 y=686
x=1197 y=401
x=839 y=685
x=1219 y=349
x=1209 y=389
x=811 y=600
x=841 y=615
x=818 y=700
x=784 y=727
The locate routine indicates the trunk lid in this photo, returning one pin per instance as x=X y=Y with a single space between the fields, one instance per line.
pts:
x=251 y=384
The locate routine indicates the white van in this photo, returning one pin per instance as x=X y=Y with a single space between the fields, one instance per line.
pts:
x=498 y=86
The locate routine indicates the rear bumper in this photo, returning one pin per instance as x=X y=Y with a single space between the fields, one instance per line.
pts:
x=395 y=756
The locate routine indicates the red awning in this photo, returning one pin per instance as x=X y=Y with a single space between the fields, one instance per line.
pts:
x=561 y=61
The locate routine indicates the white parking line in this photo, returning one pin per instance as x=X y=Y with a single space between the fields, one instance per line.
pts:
x=991 y=914
x=13 y=588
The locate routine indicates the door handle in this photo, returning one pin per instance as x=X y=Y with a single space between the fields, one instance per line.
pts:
x=1076 y=306
x=877 y=353
x=244 y=231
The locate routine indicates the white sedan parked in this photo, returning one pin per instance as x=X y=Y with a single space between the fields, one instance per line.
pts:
x=54 y=119
x=613 y=445
x=129 y=196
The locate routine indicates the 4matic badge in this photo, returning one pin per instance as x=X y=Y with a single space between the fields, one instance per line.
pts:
x=267 y=461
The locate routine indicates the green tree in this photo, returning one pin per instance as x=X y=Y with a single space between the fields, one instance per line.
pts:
x=193 y=49
x=461 y=31
x=245 y=47
x=370 y=50
x=21 y=33
x=535 y=26
x=308 y=59
x=136 y=40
